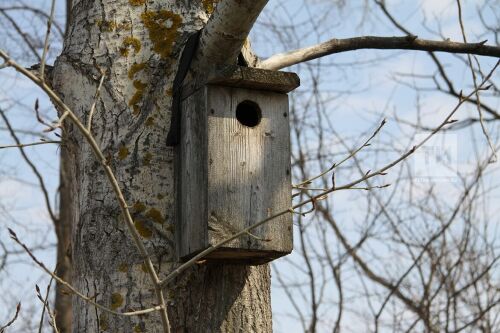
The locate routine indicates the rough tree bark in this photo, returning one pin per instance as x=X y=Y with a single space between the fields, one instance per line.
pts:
x=137 y=43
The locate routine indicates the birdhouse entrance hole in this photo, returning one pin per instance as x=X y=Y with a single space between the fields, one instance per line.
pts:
x=233 y=165
x=248 y=113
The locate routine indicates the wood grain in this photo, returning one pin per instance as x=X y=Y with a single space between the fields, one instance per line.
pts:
x=232 y=175
x=248 y=169
x=252 y=78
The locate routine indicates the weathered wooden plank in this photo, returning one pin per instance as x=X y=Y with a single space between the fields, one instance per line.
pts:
x=253 y=78
x=248 y=170
x=192 y=176
x=234 y=166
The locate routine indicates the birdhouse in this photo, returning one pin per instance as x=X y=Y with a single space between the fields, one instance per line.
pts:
x=234 y=165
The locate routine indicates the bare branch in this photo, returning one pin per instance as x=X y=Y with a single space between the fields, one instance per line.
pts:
x=73 y=290
x=46 y=43
x=67 y=112
x=22 y=34
x=96 y=96
x=69 y=15
x=22 y=145
x=45 y=302
x=226 y=31
x=176 y=272
x=333 y=46
x=36 y=11
x=37 y=173
x=441 y=68
x=18 y=308
x=335 y=165
x=474 y=80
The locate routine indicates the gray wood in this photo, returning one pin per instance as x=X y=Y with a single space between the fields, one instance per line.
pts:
x=245 y=77
x=249 y=169
x=232 y=176
x=192 y=175
x=254 y=78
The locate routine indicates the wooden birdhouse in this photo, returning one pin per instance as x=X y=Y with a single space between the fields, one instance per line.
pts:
x=234 y=165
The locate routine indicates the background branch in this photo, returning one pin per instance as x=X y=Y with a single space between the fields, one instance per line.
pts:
x=333 y=46
x=225 y=33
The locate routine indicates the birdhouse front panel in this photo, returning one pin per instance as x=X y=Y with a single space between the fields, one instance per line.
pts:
x=248 y=170
x=234 y=166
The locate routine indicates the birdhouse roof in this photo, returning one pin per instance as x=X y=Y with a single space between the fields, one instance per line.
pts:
x=254 y=78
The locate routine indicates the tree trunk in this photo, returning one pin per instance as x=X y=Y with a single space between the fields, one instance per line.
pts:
x=63 y=232
x=137 y=44
x=63 y=308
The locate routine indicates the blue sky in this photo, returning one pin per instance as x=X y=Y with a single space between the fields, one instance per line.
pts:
x=355 y=91
x=376 y=95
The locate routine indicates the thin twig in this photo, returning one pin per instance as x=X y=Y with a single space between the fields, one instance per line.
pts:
x=39 y=116
x=18 y=308
x=28 y=132
x=23 y=145
x=23 y=35
x=36 y=11
x=176 y=272
x=73 y=289
x=46 y=43
x=440 y=67
x=474 y=79
x=410 y=42
x=59 y=123
x=38 y=175
x=335 y=165
x=45 y=302
x=67 y=112
x=96 y=96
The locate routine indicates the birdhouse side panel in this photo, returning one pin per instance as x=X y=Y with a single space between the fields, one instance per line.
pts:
x=192 y=176
x=248 y=168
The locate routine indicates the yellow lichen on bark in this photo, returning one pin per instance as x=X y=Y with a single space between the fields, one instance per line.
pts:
x=163 y=29
x=123 y=153
x=209 y=5
x=142 y=229
x=139 y=207
x=109 y=26
x=106 y=26
x=137 y=2
x=150 y=121
x=144 y=268
x=128 y=42
x=116 y=301
x=147 y=159
x=123 y=26
x=152 y=213
x=123 y=267
x=135 y=68
x=155 y=215
x=103 y=322
x=137 y=97
x=138 y=85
